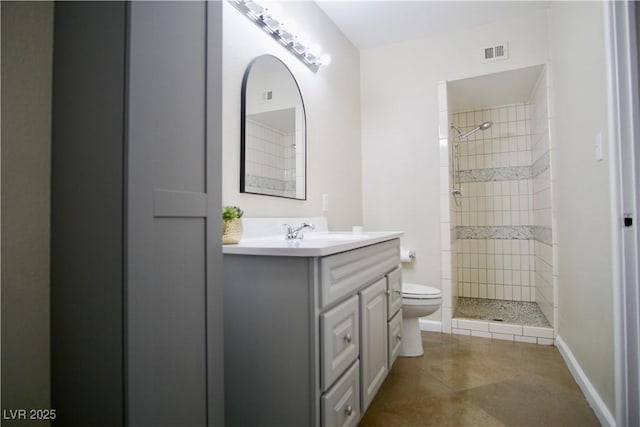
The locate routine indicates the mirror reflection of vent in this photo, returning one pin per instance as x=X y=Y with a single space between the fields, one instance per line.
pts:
x=267 y=96
x=496 y=52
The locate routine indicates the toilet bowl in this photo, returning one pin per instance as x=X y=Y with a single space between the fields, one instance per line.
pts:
x=417 y=301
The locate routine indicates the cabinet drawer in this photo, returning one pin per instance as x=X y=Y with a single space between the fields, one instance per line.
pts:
x=341 y=405
x=395 y=337
x=394 y=292
x=340 y=333
x=344 y=273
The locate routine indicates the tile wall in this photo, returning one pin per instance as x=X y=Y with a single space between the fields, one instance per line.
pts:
x=447 y=261
x=542 y=211
x=270 y=160
x=493 y=235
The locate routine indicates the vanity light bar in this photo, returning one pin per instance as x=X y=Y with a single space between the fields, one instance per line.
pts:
x=309 y=55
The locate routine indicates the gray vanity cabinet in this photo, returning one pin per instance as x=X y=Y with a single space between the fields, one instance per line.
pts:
x=306 y=338
x=136 y=312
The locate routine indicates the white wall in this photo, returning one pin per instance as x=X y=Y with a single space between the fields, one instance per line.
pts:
x=332 y=102
x=400 y=126
x=27 y=49
x=578 y=112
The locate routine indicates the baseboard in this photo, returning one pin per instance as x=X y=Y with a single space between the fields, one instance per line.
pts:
x=605 y=417
x=430 y=325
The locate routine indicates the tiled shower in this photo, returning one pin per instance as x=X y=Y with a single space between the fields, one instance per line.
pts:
x=501 y=243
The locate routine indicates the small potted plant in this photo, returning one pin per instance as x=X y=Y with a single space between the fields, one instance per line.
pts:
x=231 y=224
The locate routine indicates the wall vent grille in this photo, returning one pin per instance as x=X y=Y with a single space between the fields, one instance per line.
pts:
x=496 y=52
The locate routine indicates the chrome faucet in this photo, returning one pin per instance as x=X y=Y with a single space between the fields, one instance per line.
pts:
x=296 y=232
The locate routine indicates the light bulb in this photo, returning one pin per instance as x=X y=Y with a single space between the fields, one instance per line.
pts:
x=315 y=49
x=325 y=59
x=303 y=38
x=254 y=8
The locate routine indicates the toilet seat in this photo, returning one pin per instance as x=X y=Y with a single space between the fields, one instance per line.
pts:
x=421 y=292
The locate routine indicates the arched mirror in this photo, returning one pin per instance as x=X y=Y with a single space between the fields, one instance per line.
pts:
x=273 y=134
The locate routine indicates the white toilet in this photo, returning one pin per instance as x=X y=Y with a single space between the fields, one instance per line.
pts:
x=417 y=301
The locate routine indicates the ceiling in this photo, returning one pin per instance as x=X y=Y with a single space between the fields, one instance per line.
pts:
x=374 y=23
x=507 y=87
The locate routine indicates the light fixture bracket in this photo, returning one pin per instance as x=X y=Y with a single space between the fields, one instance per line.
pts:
x=272 y=26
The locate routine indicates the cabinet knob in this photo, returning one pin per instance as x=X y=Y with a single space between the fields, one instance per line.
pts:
x=399 y=337
x=388 y=292
x=347 y=338
x=348 y=410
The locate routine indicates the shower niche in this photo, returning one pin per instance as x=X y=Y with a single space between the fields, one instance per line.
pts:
x=499 y=194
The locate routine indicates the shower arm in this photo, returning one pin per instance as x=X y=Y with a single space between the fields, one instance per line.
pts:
x=457 y=190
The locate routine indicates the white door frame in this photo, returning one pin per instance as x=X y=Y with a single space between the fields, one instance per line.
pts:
x=621 y=34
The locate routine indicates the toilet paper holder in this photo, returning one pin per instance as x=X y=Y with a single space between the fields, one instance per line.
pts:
x=407 y=255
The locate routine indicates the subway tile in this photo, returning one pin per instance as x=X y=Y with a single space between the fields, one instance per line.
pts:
x=491 y=291
x=505 y=328
x=444 y=152
x=480 y=334
x=446 y=292
x=534 y=331
x=446 y=320
x=445 y=261
x=474 y=325
x=445 y=236
x=544 y=341
x=443 y=124
x=444 y=180
x=530 y=340
x=505 y=337
x=445 y=209
x=458 y=331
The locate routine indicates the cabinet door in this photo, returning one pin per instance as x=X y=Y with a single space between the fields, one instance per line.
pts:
x=373 y=344
x=341 y=405
x=394 y=291
x=395 y=337
x=340 y=340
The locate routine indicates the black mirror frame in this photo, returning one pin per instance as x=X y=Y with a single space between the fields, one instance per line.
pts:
x=243 y=115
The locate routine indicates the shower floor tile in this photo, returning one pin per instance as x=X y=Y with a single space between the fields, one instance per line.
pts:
x=513 y=312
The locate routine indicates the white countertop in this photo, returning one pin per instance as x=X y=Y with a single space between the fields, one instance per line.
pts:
x=313 y=244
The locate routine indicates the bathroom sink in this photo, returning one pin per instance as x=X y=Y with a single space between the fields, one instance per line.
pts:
x=266 y=236
x=334 y=237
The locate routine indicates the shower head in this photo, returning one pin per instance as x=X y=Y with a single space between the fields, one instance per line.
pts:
x=484 y=126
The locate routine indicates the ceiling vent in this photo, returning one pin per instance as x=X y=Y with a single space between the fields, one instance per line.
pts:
x=496 y=51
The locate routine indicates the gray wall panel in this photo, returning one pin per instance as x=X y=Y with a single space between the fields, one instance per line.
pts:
x=87 y=213
x=27 y=48
x=166 y=283
x=168 y=47
x=215 y=353
x=168 y=352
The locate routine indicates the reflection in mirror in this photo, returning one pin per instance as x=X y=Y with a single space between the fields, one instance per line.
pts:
x=273 y=134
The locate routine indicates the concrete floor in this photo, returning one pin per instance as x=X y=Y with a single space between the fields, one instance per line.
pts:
x=468 y=381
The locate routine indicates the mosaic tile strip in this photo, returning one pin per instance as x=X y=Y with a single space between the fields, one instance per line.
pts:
x=512 y=232
x=540 y=165
x=264 y=183
x=495 y=174
x=543 y=235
